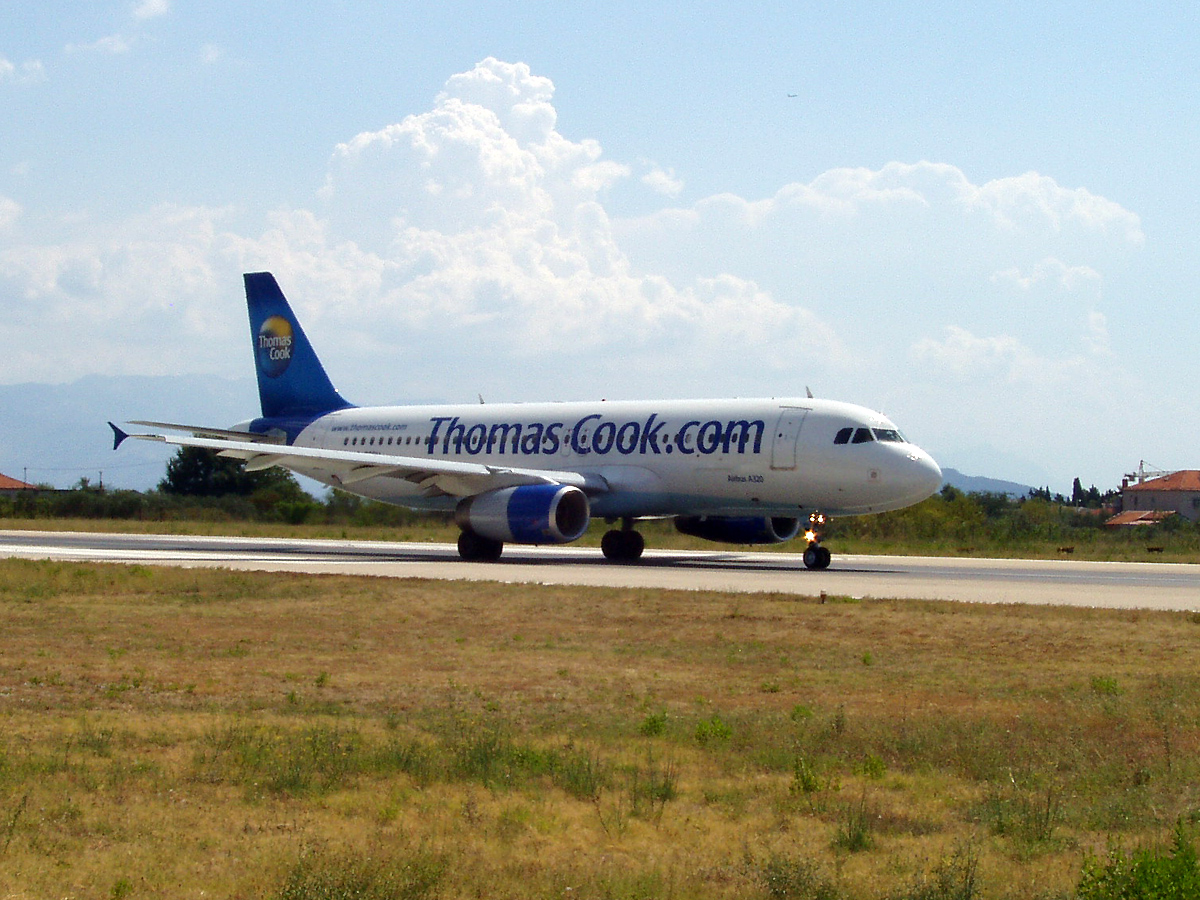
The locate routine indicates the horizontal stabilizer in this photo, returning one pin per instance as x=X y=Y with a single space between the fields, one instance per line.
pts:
x=204 y=431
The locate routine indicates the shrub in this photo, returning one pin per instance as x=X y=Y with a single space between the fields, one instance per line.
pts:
x=1146 y=874
x=654 y=725
x=711 y=730
x=789 y=878
x=325 y=875
x=954 y=878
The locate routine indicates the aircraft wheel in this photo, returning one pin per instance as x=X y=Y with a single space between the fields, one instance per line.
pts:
x=622 y=546
x=634 y=545
x=610 y=545
x=817 y=557
x=474 y=547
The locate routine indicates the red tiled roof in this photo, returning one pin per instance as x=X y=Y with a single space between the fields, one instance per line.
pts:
x=1187 y=480
x=11 y=484
x=1139 y=517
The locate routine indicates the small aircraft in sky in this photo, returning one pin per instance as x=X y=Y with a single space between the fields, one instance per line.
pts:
x=736 y=471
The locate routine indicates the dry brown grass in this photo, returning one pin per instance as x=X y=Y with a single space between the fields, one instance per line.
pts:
x=172 y=732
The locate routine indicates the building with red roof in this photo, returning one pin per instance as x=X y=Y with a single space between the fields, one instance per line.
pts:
x=12 y=484
x=1178 y=492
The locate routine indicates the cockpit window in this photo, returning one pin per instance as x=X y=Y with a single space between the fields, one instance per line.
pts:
x=843 y=436
x=863 y=436
x=888 y=434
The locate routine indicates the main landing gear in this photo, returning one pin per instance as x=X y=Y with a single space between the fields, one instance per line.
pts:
x=623 y=544
x=816 y=556
x=474 y=547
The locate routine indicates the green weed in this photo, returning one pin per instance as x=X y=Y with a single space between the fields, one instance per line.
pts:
x=654 y=725
x=348 y=875
x=652 y=787
x=712 y=730
x=1028 y=815
x=954 y=878
x=1145 y=874
x=794 y=878
x=855 y=831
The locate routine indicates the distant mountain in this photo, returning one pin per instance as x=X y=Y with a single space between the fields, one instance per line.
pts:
x=980 y=485
x=58 y=433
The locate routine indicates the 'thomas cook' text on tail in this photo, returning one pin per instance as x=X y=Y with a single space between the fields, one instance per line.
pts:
x=291 y=380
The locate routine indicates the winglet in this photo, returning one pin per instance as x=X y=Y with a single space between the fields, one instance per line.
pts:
x=118 y=435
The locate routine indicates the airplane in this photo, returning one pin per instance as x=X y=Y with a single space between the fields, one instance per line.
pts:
x=734 y=471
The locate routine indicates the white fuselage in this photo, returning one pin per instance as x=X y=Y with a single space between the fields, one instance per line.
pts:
x=784 y=457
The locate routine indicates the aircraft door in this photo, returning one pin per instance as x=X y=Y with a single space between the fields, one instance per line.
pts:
x=786 y=438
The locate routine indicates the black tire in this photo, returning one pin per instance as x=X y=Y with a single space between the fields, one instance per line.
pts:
x=474 y=547
x=634 y=545
x=826 y=558
x=812 y=557
x=612 y=546
x=622 y=546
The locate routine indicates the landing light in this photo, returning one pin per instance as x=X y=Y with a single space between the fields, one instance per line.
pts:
x=816 y=521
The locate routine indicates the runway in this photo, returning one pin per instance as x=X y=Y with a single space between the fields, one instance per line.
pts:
x=1168 y=586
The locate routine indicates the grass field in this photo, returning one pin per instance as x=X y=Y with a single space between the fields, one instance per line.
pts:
x=188 y=733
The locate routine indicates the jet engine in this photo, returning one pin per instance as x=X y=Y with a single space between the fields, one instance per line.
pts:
x=529 y=514
x=739 y=529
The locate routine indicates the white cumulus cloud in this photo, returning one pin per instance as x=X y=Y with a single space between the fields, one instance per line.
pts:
x=1051 y=272
x=109 y=45
x=901 y=248
x=151 y=9
x=489 y=218
x=663 y=181
x=965 y=356
x=29 y=72
x=10 y=211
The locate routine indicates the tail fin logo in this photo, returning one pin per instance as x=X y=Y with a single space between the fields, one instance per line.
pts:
x=274 y=346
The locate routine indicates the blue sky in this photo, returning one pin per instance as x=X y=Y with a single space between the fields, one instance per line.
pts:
x=980 y=218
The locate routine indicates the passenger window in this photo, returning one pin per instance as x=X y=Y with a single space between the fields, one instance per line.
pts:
x=863 y=436
x=843 y=436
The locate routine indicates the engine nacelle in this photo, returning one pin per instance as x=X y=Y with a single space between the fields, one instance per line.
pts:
x=529 y=514
x=739 y=529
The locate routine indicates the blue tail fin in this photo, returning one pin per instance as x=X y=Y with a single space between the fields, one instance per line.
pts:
x=291 y=380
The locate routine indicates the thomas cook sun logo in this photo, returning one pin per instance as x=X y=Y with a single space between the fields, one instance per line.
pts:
x=274 y=346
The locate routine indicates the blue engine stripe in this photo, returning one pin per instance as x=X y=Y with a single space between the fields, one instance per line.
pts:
x=528 y=513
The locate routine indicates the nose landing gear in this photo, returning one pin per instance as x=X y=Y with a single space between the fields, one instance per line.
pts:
x=816 y=556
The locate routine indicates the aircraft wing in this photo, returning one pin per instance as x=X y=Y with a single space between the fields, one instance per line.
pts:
x=437 y=477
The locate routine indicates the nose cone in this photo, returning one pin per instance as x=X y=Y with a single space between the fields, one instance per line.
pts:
x=922 y=478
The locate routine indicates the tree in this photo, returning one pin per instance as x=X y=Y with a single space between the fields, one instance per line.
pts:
x=197 y=472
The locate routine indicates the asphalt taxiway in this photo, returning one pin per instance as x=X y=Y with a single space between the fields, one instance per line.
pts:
x=1066 y=582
